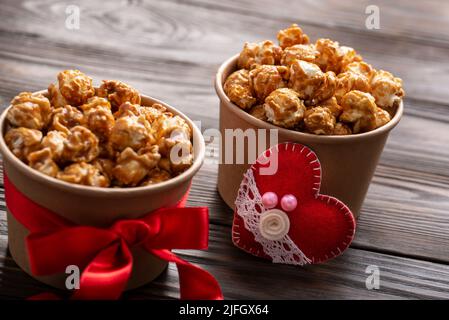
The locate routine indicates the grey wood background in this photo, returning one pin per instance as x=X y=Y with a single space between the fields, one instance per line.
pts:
x=172 y=49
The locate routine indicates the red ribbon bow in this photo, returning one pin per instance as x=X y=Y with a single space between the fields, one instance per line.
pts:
x=104 y=254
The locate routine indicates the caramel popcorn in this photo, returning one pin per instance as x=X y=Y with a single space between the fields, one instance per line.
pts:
x=65 y=118
x=319 y=75
x=74 y=88
x=319 y=120
x=291 y=36
x=101 y=137
x=266 y=78
x=238 y=89
x=310 y=82
x=284 y=108
x=22 y=141
x=29 y=110
x=341 y=129
x=55 y=141
x=258 y=112
x=118 y=92
x=84 y=173
x=265 y=52
x=42 y=161
x=305 y=52
x=132 y=167
x=386 y=89
x=360 y=109
x=81 y=145
x=156 y=176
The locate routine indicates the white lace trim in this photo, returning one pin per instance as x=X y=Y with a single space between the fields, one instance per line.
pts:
x=249 y=206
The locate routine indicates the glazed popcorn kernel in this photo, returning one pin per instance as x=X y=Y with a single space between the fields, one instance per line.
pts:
x=382 y=117
x=118 y=92
x=265 y=52
x=74 y=86
x=42 y=161
x=238 y=89
x=22 y=141
x=330 y=56
x=65 y=118
x=98 y=117
x=132 y=167
x=266 y=78
x=305 y=52
x=291 y=36
x=386 y=89
x=81 y=145
x=341 y=129
x=29 y=110
x=55 y=141
x=348 y=81
x=333 y=106
x=360 y=109
x=130 y=131
x=258 y=112
x=319 y=120
x=156 y=176
x=284 y=108
x=349 y=55
x=85 y=174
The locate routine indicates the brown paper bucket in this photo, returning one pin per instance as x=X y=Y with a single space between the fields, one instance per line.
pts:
x=348 y=162
x=93 y=206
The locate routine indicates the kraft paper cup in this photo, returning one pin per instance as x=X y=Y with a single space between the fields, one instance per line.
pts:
x=94 y=206
x=347 y=162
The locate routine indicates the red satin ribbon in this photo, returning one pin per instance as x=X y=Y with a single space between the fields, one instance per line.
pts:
x=104 y=254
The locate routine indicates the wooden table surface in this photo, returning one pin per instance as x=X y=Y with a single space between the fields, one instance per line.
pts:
x=172 y=49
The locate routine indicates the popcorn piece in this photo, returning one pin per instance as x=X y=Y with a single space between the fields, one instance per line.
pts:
x=348 y=81
x=238 y=89
x=360 y=68
x=55 y=96
x=319 y=120
x=284 y=108
x=258 y=112
x=99 y=118
x=359 y=108
x=118 y=92
x=55 y=141
x=333 y=106
x=130 y=131
x=105 y=166
x=386 y=89
x=305 y=52
x=291 y=36
x=85 y=174
x=266 y=78
x=132 y=167
x=349 y=55
x=65 y=118
x=29 y=110
x=341 y=129
x=310 y=82
x=74 y=87
x=156 y=176
x=81 y=145
x=22 y=141
x=382 y=117
x=330 y=56
x=42 y=161
x=265 y=52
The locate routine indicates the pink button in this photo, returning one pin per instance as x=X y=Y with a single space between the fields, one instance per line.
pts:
x=269 y=200
x=289 y=202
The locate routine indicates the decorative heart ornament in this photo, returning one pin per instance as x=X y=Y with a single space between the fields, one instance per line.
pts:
x=281 y=215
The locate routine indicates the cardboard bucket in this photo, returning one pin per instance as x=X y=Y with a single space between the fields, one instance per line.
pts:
x=93 y=206
x=348 y=162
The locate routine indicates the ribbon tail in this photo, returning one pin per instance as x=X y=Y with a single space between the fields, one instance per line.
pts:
x=106 y=276
x=194 y=282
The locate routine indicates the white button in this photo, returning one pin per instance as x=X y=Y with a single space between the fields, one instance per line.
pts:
x=274 y=224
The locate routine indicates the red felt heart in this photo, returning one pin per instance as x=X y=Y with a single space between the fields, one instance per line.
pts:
x=321 y=226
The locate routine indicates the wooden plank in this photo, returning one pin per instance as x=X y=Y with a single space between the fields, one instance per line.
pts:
x=245 y=277
x=149 y=49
